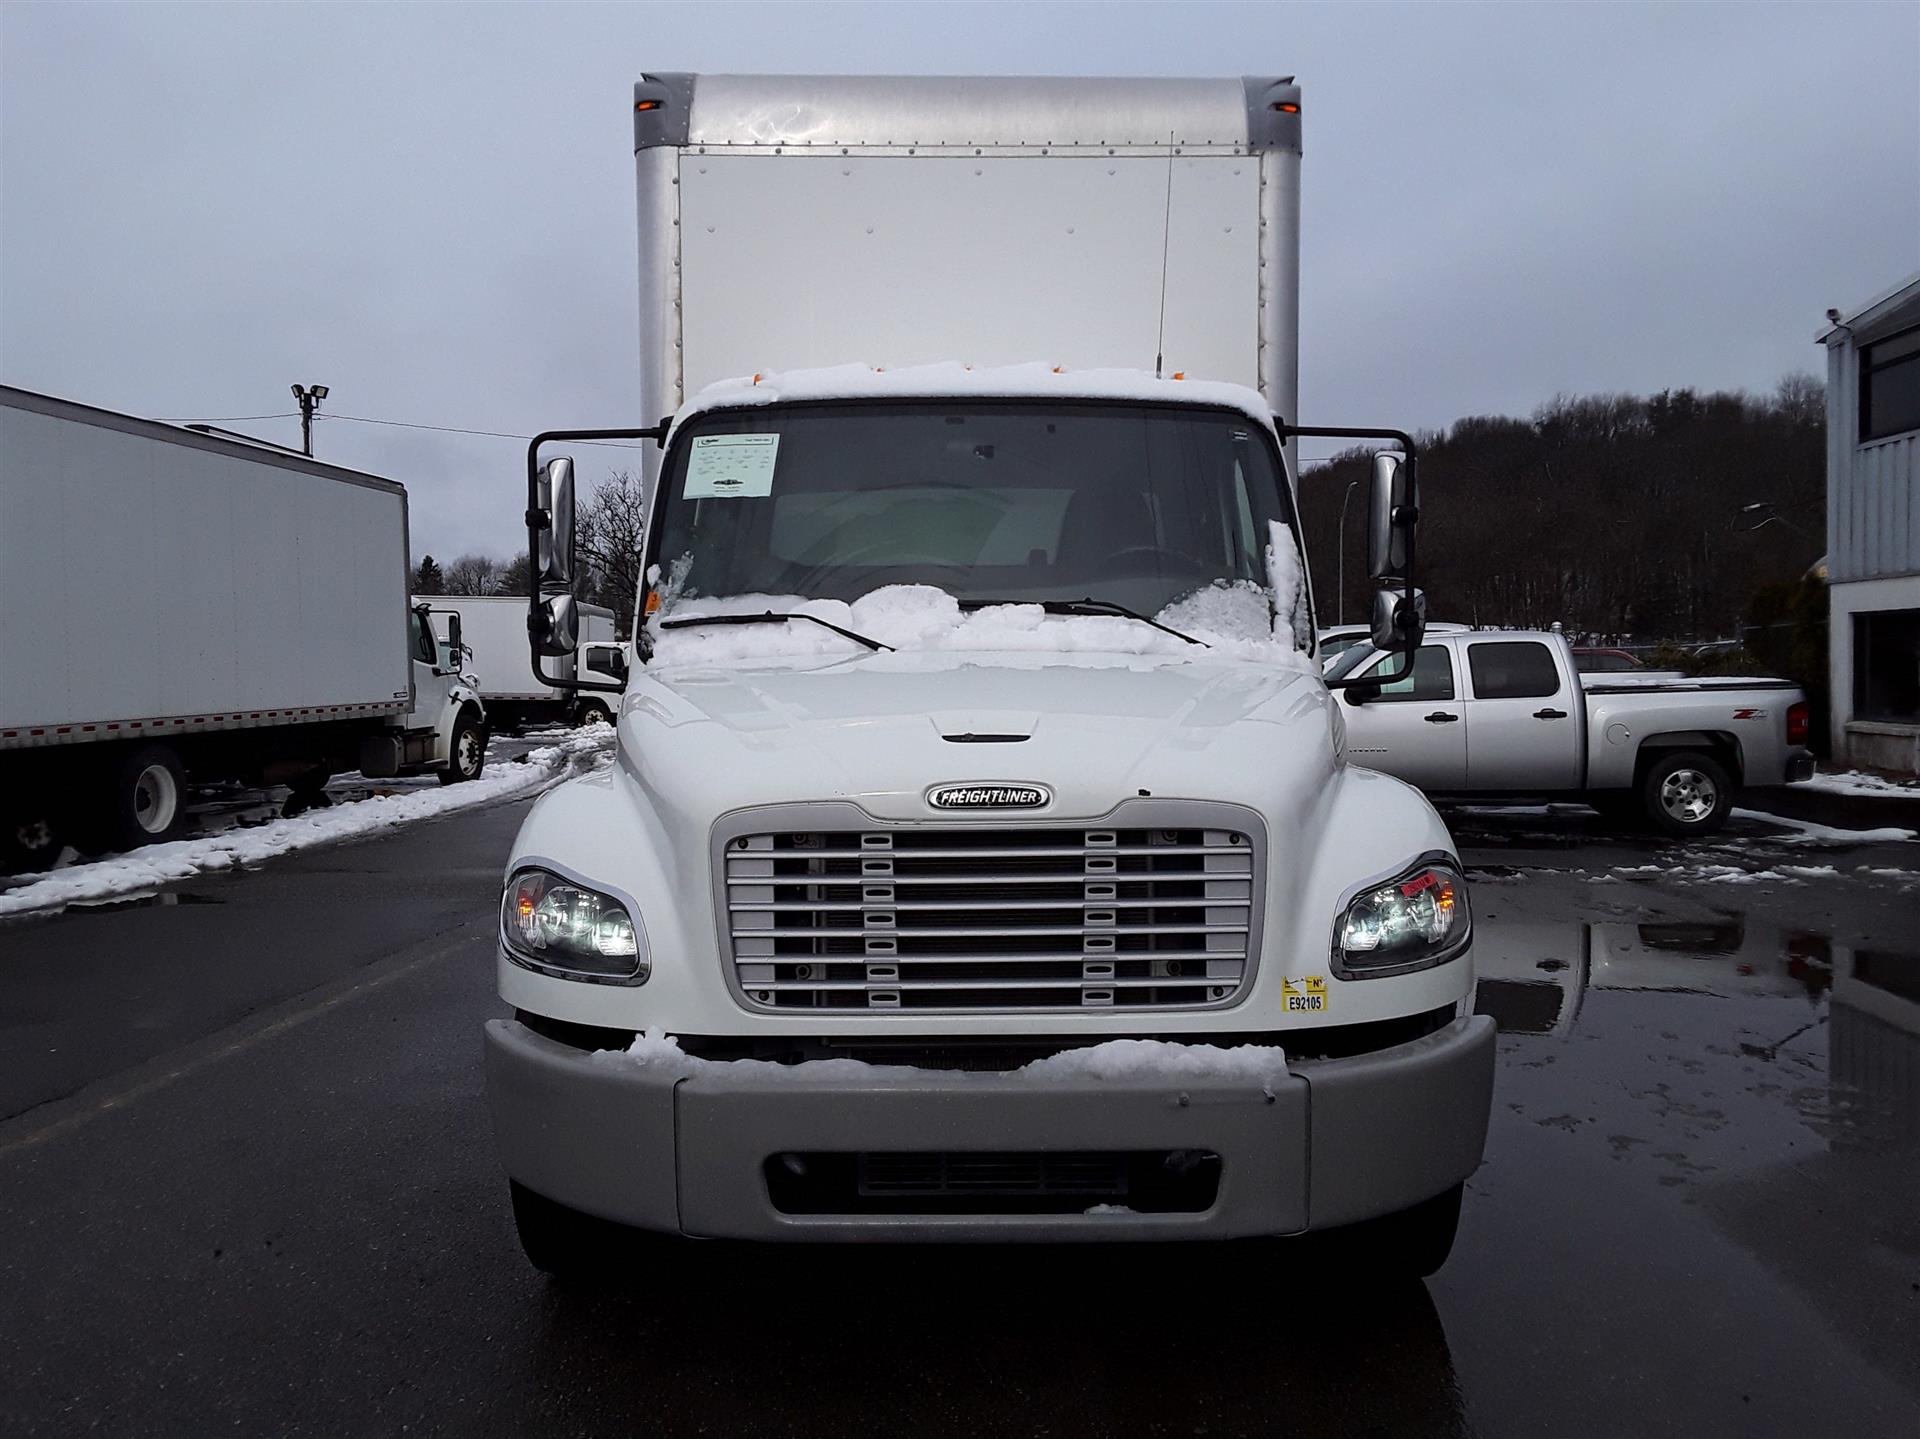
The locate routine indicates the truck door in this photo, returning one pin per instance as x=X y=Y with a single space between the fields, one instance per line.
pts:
x=1415 y=728
x=1524 y=719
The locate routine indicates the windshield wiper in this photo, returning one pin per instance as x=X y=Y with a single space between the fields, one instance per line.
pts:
x=1089 y=607
x=774 y=617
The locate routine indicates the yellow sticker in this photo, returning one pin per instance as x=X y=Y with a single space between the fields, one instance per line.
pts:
x=1305 y=994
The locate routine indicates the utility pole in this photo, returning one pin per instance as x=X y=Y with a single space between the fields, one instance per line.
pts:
x=1340 y=561
x=309 y=397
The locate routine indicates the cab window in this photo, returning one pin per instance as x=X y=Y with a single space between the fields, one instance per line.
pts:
x=1430 y=679
x=1512 y=670
x=424 y=648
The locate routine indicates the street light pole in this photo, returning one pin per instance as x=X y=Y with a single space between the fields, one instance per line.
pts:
x=309 y=398
x=1340 y=559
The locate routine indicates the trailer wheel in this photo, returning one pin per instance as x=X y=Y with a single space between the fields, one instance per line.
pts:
x=146 y=798
x=1686 y=793
x=30 y=840
x=467 y=755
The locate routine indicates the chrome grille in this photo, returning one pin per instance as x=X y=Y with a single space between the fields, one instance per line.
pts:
x=975 y=919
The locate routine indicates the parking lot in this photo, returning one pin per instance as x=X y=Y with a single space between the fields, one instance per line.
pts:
x=248 y=1184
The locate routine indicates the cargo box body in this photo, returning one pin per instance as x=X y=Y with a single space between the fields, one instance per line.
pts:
x=788 y=222
x=155 y=580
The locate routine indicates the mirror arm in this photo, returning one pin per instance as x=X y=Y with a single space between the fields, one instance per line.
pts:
x=538 y=520
x=1405 y=441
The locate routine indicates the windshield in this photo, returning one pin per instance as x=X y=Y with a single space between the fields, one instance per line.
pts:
x=1128 y=504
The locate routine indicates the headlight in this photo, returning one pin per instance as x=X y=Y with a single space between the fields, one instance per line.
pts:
x=552 y=924
x=1412 y=922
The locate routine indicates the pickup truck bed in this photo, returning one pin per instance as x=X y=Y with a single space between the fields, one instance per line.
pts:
x=1505 y=714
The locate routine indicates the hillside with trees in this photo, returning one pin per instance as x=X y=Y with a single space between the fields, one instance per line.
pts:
x=1659 y=518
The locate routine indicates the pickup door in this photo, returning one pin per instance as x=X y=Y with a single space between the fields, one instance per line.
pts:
x=1416 y=727
x=1525 y=716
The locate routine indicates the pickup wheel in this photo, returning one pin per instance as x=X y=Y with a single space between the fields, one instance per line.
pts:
x=577 y=1248
x=467 y=755
x=1686 y=793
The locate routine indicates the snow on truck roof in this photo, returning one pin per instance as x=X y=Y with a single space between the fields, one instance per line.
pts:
x=953 y=380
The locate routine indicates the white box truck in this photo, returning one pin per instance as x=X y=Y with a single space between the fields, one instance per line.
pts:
x=494 y=631
x=981 y=860
x=178 y=607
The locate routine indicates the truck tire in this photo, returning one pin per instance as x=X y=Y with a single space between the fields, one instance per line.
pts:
x=1412 y=1244
x=467 y=754
x=30 y=839
x=577 y=1248
x=1686 y=793
x=145 y=800
x=593 y=712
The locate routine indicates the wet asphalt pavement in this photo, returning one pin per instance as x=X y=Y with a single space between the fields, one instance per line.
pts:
x=247 y=1184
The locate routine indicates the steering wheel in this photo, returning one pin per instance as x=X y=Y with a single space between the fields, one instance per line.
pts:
x=1194 y=560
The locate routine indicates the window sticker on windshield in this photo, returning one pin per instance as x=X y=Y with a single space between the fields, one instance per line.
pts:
x=731 y=466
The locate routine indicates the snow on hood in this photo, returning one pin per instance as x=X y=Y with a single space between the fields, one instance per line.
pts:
x=1233 y=619
x=953 y=379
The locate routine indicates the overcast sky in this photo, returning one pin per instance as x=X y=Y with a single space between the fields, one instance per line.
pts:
x=430 y=208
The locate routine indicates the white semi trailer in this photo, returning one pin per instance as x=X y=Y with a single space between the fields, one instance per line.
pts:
x=494 y=630
x=981 y=860
x=178 y=607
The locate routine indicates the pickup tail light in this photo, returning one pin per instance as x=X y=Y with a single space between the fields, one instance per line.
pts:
x=1797 y=726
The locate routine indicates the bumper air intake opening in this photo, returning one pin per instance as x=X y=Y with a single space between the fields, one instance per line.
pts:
x=1178 y=1181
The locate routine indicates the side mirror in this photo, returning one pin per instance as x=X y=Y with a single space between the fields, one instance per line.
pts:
x=555 y=626
x=454 y=647
x=1397 y=624
x=553 y=559
x=617 y=665
x=1391 y=516
x=1359 y=694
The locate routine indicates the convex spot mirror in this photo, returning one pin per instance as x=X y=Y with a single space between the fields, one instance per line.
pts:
x=554 y=494
x=1397 y=624
x=556 y=626
x=1390 y=516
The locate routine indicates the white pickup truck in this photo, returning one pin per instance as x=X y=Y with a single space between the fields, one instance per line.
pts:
x=979 y=860
x=1504 y=714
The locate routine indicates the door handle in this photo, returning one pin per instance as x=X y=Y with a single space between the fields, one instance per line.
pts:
x=1442 y=717
x=1549 y=714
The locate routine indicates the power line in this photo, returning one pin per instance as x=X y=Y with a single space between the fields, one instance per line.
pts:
x=369 y=420
x=461 y=430
x=222 y=419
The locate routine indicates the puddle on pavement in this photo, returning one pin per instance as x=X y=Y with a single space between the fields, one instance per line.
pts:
x=1727 y=1008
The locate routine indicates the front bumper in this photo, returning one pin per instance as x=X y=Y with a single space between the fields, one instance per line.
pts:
x=683 y=1149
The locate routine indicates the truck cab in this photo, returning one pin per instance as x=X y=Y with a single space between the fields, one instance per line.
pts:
x=981 y=859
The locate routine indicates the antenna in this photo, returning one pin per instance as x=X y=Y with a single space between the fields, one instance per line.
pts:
x=1166 y=230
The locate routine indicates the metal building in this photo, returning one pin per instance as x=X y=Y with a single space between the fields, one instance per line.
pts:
x=1873 y=528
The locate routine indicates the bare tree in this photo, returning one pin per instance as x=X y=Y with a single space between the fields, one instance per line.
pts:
x=473 y=575
x=607 y=535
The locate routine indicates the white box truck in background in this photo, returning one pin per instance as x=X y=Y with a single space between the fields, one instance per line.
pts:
x=974 y=742
x=177 y=607
x=494 y=630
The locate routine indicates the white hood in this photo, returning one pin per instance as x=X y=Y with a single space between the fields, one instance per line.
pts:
x=878 y=730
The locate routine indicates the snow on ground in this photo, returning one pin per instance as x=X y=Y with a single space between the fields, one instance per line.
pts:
x=1808 y=833
x=1233 y=619
x=1116 y=1060
x=147 y=869
x=1858 y=782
